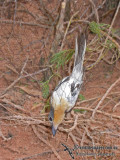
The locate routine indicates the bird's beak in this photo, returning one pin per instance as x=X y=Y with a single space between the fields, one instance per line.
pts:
x=54 y=129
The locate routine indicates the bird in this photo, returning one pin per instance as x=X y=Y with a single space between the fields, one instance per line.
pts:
x=65 y=95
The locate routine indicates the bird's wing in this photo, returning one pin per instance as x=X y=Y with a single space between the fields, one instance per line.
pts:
x=68 y=90
x=62 y=81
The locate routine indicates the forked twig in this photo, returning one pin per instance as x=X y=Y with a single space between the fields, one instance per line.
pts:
x=70 y=129
x=105 y=95
x=95 y=10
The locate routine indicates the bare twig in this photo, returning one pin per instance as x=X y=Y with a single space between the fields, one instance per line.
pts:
x=39 y=154
x=45 y=11
x=26 y=119
x=15 y=10
x=73 y=138
x=22 y=70
x=21 y=77
x=95 y=11
x=3 y=137
x=14 y=105
x=24 y=23
x=98 y=111
x=44 y=141
x=83 y=137
x=70 y=129
x=105 y=95
x=90 y=15
x=67 y=29
x=118 y=104
x=59 y=29
x=108 y=35
x=114 y=41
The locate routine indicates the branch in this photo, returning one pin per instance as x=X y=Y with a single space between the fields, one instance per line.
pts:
x=23 y=23
x=44 y=141
x=105 y=95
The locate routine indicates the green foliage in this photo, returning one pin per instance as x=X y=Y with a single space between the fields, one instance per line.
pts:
x=95 y=28
x=81 y=97
x=79 y=110
x=110 y=44
x=47 y=106
x=45 y=89
x=62 y=57
x=21 y=91
x=33 y=80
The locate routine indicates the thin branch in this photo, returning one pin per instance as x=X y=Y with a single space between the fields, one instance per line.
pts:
x=44 y=141
x=14 y=105
x=95 y=11
x=45 y=11
x=3 y=137
x=118 y=104
x=67 y=29
x=21 y=77
x=24 y=23
x=70 y=129
x=39 y=154
x=108 y=35
x=105 y=95
x=98 y=111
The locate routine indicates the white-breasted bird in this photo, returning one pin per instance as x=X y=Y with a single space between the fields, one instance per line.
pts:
x=64 y=96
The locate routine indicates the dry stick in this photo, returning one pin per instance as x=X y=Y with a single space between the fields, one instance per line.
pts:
x=98 y=111
x=118 y=104
x=59 y=28
x=105 y=95
x=109 y=31
x=45 y=11
x=114 y=41
x=3 y=137
x=21 y=77
x=67 y=29
x=82 y=21
x=83 y=137
x=44 y=141
x=24 y=23
x=72 y=128
x=98 y=97
x=73 y=138
x=38 y=154
x=95 y=11
x=88 y=134
x=22 y=70
x=26 y=119
x=14 y=105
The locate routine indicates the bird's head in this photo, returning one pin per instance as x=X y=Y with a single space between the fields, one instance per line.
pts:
x=56 y=116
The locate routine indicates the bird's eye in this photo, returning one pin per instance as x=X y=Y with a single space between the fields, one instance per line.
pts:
x=50 y=119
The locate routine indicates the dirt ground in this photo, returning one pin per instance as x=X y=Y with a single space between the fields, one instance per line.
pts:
x=25 y=132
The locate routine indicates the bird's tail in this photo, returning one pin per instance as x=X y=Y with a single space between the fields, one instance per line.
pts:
x=80 y=48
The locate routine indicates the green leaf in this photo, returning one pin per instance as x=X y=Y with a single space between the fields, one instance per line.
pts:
x=61 y=57
x=79 y=110
x=81 y=97
x=47 y=106
x=1 y=58
x=95 y=28
x=110 y=44
x=45 y=89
